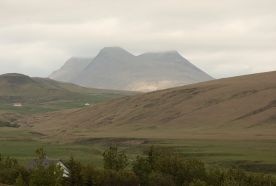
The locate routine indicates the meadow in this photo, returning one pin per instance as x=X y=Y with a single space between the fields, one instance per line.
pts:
x=253 y=156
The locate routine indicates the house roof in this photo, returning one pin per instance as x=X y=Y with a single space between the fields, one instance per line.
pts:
x=46 y=163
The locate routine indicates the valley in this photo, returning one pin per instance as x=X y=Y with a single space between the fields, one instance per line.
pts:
x=137 y=93
x=233 y=108
x=196 y=120
x=250 y=155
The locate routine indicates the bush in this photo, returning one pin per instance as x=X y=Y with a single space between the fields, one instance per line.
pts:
x=9 y=170
x=89 y=175
x=198 y=183
x=120 y=178
x=114 y=159
x=168 y=164
x=157 y=167
x=46 y=176
x=159 y=179
x=75 y=169
x=142 y=168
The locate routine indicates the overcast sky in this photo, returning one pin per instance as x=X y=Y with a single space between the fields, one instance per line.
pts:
x=223 y=37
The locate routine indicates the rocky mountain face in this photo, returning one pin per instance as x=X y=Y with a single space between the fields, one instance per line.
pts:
x=115 y=68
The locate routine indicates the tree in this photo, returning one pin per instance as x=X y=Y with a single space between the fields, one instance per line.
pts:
x=198 y=183
x=9 y=170
x=163 y=162
x=20 y=181
x=75 y=169
x=40 y=154
x=114 y=159
x=89 y=175
x=110 y=177
x=142 y=168
x=159 y=179
x=46 y=175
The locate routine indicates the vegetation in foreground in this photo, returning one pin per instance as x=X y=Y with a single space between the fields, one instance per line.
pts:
x=253 y=156
x=156 y=167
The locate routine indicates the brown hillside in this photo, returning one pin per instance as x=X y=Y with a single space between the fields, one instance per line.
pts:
x=234 y=108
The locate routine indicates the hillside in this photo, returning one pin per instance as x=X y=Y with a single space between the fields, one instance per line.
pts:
x=21 y=94
x=24 y=89
x=234 y=108
x=116 y=68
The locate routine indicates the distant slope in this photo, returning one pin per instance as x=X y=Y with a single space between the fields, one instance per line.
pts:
x=116 y=68
x=22 y=88
x=234 y=108
x=71 y=69
x=40 y=94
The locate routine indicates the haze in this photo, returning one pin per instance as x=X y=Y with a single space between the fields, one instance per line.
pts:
x=224 y=38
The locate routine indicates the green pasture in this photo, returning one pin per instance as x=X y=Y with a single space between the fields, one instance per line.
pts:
x=255 y=156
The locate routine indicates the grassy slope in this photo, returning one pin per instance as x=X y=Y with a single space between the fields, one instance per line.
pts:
x=21 y=88
x=39 y=95
x=234 y=108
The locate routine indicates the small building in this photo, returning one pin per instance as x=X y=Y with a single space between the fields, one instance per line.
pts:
x=17 y=105
x=47 y=162
x=87 y=104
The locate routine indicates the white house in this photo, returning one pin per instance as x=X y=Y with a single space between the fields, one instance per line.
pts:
x=17 y=105
x=46 y=163
x=64 y=168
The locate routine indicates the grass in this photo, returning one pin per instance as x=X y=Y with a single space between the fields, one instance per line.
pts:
x=256 y=156
x=24 y=151
x=55 y=105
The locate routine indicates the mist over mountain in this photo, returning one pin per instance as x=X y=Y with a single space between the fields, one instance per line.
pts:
x=116 y=68
x=71 y=69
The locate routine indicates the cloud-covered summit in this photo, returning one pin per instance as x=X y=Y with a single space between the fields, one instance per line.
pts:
x=116 y=68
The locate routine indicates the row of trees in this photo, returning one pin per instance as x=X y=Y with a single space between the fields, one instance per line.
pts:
x=157 y=167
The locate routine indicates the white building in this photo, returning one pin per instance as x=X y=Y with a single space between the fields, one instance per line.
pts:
x=17 y=105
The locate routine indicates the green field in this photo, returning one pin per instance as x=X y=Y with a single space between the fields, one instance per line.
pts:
x=255 y=156
x=33 y=108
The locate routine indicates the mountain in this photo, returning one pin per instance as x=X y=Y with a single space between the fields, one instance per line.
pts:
x=71 y=69
x=234 y=108
x=115 y=68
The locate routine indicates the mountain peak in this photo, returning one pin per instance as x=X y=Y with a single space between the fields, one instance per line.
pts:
x=113 y=48
x=162 y=53
x=171 y=55
x=114 y=51
x=116 y=68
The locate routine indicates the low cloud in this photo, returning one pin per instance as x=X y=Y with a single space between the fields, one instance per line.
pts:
x=224 y=38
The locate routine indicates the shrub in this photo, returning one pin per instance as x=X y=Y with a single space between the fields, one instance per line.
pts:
x=114 y=159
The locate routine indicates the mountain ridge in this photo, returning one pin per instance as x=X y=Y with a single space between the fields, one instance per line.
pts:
x=70 y=69
x=116 y=68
